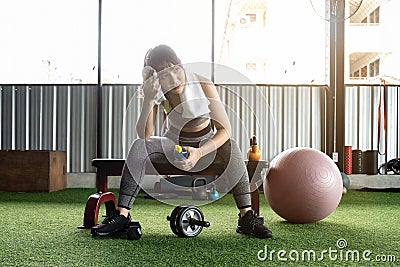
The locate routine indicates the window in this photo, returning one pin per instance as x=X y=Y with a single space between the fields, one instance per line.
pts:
x=364 y=71
x=372 y=17
x=47 y=41
x=377 y=64
x=251 y=66
x=131 y=28
x=371 y=70
x=252 y=17
x=258 y=38
x=374 y=68
x=243 y=20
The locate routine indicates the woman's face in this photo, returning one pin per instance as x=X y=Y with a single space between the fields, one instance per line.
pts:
x=172 y=79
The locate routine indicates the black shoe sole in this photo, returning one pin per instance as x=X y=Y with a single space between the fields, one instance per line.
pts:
x=239 y=231
x=95 y=233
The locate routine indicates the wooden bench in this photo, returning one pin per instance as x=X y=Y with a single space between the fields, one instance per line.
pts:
x=113 y=167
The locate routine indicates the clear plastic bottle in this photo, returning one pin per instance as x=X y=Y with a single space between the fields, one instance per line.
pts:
x=180 y=153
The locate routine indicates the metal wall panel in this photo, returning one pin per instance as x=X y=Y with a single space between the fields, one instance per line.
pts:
x=280 y=116
x=75 y=128
x=132 y=111
x=64 y=117
x=46 y=116
x=121 y=107
x=20 y=117
x=34 y=125
x=362 y=109
x=393 y=121
x=275 y=96
x=6 y=116
x=51 y=117
x=90 y=125
x=61 y=117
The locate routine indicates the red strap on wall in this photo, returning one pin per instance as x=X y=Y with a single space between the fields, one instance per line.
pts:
x=382 y=104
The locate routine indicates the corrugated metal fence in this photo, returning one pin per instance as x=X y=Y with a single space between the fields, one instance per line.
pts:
x=364 y=103
x=64 y=117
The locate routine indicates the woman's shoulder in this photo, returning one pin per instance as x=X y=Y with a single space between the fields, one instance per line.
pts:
x=208 y=86
x=202 y=79
x=205 y=83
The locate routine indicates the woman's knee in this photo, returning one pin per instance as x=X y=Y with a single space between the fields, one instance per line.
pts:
x=230 y=149
x=137 y=149
x=141 y=148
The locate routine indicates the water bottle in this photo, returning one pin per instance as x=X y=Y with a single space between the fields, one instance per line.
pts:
x=254 y=153
x=180 y=153
x=213 y=194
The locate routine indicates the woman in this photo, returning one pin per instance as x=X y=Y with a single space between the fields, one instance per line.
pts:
x=193 y=106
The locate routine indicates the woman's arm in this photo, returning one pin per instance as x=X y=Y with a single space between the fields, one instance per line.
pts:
x=147 y=118
x=146 y=122
x=218 y=116
x=221 y=123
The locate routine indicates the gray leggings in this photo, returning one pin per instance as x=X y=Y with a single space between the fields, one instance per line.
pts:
x=235 y=175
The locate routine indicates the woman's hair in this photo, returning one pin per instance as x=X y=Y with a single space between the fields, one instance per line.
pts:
x=161 y=57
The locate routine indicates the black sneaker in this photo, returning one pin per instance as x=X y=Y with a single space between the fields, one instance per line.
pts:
x=113 y=223
x=252 y=225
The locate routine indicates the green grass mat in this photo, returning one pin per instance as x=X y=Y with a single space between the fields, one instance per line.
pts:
x=40 y=229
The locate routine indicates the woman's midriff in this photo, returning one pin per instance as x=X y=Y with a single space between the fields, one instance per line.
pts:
x=192 y=129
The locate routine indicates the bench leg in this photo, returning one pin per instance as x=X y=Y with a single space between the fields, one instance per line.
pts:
x=93 y=205
x=255 y=198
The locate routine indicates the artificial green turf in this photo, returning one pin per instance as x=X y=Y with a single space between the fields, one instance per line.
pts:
x=40 y=229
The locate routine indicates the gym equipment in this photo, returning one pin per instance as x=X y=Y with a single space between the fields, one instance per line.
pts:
x=181 y=184
x=199 y=193
x=370 y=162
x=213 y=194
x=303 y=185
x=346 y=180
x=348 y=160
x=161 y=196
x=356 y=160
x=134 y=231
x=392 y=165
x=108 y=167
x=344 y=192
x=254 y=153
x=187 y=221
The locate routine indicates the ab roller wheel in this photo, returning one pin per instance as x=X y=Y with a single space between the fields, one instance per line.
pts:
x=187 y=221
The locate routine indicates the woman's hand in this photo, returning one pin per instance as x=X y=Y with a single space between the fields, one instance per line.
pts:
x=190 y=162
x=151 y=84
x=150 y=87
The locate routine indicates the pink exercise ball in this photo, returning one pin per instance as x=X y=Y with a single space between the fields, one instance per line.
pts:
x=303 y=185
